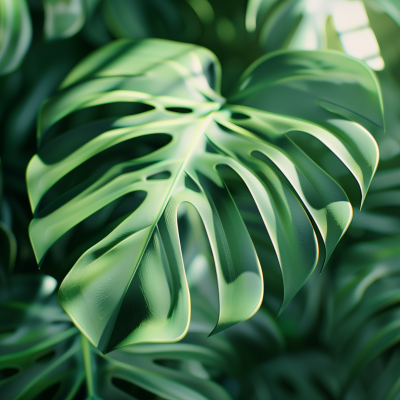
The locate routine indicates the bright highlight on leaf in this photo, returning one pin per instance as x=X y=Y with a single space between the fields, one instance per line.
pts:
x=147 y=117
x=301 y=24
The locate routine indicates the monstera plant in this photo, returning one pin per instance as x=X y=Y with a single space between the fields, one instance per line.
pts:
x=201 y=218
x=145 y=122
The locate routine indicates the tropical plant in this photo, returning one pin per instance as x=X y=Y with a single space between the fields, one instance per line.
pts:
x=44 y=356
x=177 y=193
x=176 y=131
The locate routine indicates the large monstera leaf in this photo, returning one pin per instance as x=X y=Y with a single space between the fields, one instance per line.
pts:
x=146 y=119
x=44 y=356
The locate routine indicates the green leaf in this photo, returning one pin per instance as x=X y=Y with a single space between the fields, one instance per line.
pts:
x=311 y=25
x=366 y=309
x=391 y=8
x=302 y=375
x=151 y=18
x=43 y=355
x=162 y=129
x=65 y=18
x=16 y=33
x=380 y=214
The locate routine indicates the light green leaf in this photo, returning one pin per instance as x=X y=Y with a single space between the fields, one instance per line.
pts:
x=65 y=18
x=163 y=130
x=15 y=33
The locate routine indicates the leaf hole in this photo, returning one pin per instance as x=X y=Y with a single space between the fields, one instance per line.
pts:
x=69 y=247
x=6 y=373
x=191 y=184
x=133 y=390
x=45 y=357
x=82 y=177
x=160 y=175
x=225 y=128
x=210 y=148
x=108 y=111
x=179 y=110
x=259 y=234
x=237 y=115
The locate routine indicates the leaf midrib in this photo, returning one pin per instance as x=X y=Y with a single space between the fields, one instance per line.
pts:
x=186 y=159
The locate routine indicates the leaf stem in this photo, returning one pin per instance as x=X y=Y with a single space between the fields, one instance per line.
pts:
x=88 y=365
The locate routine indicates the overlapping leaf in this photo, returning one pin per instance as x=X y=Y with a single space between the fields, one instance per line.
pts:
x=63 y=19
x=303 y=24
x=381 y=214
x=161 y=132
x=44 y=356
x=15 y=25
x=365 y=324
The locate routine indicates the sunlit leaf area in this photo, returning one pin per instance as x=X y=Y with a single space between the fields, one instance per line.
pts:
x=200 y=200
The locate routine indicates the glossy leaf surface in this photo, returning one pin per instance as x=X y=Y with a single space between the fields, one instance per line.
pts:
x=147 y=118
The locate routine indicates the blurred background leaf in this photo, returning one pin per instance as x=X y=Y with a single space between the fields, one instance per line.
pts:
x=44 y=356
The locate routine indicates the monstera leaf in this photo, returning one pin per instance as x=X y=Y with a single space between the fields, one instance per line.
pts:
x=365 y=325
x=63 y=19
x=44 y=356
x=143 y=122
